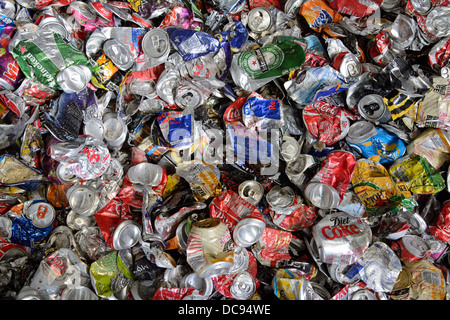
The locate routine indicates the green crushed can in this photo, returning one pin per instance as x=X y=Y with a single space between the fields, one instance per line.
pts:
x=45 y=55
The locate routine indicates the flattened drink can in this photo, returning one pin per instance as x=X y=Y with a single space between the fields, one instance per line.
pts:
x=209 y=250
x=341 y=238
x=375 y=143
x=327 y=188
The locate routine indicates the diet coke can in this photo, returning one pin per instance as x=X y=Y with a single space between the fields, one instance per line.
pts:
x=341 y=238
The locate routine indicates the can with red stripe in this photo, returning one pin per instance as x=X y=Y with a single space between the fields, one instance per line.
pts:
x=10 y=251
x=327 y=188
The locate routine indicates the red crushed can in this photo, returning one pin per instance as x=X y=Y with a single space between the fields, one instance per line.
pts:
x=327 y=188
x=356 y=8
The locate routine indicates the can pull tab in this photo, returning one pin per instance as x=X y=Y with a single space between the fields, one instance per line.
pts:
x=42 y=211
x=155 y=43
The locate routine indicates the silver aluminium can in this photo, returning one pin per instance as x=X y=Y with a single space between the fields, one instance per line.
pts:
x=83 y=199
x=55 y=25
x=438 y=21
x=204 y=285
x=42 y=214
x=74 y=78
x=156 y=43
x=363 y=294
x=373 y=108
x=210 y=248
x=119 y=54
x=243 y=286
x=252 y=191
x=260 y=19
x=78 y=293
x=65 y=175
x=422 y=6
x=248 y=231
x=28 y=293
x=126 y=235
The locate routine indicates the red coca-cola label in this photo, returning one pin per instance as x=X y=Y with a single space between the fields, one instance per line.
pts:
x=440 y=55
x=440 y=228
x=339 y=231
x=303 y=216
x=223 y=282
x=110 y=216
x=337 y=171
x=275 y=246
x=233 y=113
x=56 y=264
x=5 y=246
x=230 y=208
x=356 y=8
x=265 y=3
x=172 y=293
x=101 y=10
x=326 y=122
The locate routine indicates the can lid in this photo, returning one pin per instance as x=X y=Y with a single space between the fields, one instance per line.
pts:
x=53 y=24
x=280 y=197
x=119 y=54
x=126 y=235
x=259 y=19
x=42 y=214
x=248 y=231
x=360 y=131
x=188 y=97
x=74 y=78
x=252 y=191
x=322 y=195
x=156 y=43
x=145 y=173
x=83 y=199
x=243 y=286
x=415 y=245
x=94 y=128
x=372 y=107
x=65 y=175
x=403 y=30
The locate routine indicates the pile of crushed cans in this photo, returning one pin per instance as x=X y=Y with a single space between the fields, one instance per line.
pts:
x=224 y=150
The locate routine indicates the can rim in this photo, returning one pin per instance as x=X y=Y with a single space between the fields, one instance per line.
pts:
x=147 y=44
x=126 y=226
x=356 y=134
x=37 y=223
x=248 y=222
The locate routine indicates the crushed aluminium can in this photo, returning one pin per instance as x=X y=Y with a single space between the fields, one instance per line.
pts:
x=327 y=188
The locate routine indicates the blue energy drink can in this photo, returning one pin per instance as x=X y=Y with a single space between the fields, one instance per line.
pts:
x=375 y=143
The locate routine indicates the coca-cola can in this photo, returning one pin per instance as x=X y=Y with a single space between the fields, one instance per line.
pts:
x=126 y=235
x=243 y=286
x=230 y=208
x=327 y=188
x=341 y=238
x=412 y=248
x=252 y=191
x=210 y=247
x=10 y=251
